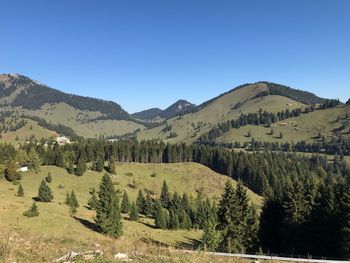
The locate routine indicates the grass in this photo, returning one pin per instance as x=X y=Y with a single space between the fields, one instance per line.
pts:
x=54 y=222
x=22 y=246
x=80 y=121
x=24 y=133
x=303 y=128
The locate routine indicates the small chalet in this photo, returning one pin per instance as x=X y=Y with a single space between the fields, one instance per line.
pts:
x=62 y=140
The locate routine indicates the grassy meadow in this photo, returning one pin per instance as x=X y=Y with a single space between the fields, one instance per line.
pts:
x=55 y=223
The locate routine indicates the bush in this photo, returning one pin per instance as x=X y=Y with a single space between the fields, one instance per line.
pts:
x=32 y=212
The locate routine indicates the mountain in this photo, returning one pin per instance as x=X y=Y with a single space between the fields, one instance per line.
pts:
x=244 y=99
x=147 y=114
x=177 y=108
x=35 y=104
x=21 y=91
x=89 y=117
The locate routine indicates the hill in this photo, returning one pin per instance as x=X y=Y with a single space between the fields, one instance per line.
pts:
x=54 y=217
x=245 y=99
x=147 y=114
x=88 y=117
x=155 y=114
x=330 y=123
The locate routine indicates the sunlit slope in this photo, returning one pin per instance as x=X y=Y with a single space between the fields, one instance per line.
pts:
x=30 y=130
x=84 y=123
x=331 y=123
x=229 y=106
x=54 y=217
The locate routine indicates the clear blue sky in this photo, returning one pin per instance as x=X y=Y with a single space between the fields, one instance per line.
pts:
x=143 y=54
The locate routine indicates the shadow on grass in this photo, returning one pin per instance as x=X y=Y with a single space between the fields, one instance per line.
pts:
x=147 y=224
x=190 y=244
x=152 y=241
x=92 y=226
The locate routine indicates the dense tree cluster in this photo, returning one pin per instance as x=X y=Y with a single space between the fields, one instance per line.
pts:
x=294 y=94
x=340 y=146
x=261 y=171
x=171 y=210
x=310 y=218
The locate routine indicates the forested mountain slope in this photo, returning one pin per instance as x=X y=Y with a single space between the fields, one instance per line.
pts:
x=88 y=117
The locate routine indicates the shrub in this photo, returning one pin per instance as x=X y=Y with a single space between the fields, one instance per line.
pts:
x=32 y=212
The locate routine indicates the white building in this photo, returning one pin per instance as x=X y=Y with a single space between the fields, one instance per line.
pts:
x=62 y=140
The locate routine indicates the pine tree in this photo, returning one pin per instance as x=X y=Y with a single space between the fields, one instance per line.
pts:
x=173 y=220
x=81 y=166
x=240 y=228
x=44 y=193
x=11 y=173
x=186 y=222
x=148 y=205
x=48 y=178
x=93 y=202
x=211 y=237
x=73 y=204
x=161 y=216
x=345 y=222
x=296 y=205
x=33 y=211
x=108 y=215
x=34 y=160
x=70 y=168
x=134 y=212
x=67 y=200
x=99 y=164
x=20 y=191
x=111 y=166
x=223 y=209
x=125 y=205
x=164 y=196
x=140 y=201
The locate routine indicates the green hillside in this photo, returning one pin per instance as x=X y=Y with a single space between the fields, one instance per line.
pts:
x=330 y=123
x=230 y=105
x=54 y=218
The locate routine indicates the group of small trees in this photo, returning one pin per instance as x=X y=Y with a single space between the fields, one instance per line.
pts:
x=235 y=229
x=170 y=211
x=44 y=195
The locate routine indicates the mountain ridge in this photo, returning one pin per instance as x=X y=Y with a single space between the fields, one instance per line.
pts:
x=181 y=106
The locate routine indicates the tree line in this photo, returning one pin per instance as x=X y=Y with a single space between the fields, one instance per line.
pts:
x=263 y=172
x=340 y=146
